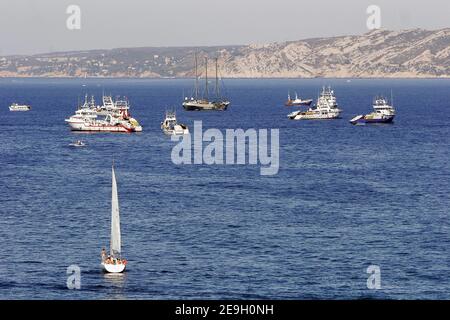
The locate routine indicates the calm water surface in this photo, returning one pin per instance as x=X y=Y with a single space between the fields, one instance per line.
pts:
x=345 y=197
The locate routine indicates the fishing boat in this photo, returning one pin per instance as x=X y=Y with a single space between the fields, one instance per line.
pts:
x=19 y=107
x=383 y=112
x=117 y=117
x=114 y=263
x=111 y=123
x=326 y=108
x=297 y=101
x=204 y=102
x=170 y=125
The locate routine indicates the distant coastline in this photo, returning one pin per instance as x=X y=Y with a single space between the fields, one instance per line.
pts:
x=406 y=54
x=226 y=78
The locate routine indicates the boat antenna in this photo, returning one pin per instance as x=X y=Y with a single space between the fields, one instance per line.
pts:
x=196 y=76
x=217 y=78
x=392 y=98
x=206 y=77
x=222 y=86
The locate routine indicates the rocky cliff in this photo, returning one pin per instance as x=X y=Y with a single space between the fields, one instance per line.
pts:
x=380 y=53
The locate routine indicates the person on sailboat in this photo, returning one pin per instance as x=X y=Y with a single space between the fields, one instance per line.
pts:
x=104 y=256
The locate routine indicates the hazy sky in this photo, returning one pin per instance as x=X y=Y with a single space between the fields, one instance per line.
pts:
x=34 y=26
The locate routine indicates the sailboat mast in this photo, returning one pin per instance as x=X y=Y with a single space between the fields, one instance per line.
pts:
x=196 y=77
x=115 y=244
x=217 y=78
x=206 y=77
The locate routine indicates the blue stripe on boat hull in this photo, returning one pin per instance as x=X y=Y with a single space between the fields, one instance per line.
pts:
x=362 y=120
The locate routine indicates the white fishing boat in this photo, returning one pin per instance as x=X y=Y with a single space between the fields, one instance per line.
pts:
x=204 y=102
x=114 y=263
x=297 y=101
x=170 y=125
x=110 y=123
x=117 y=117
x=19 y=107
x=383 y=112
x=326 y=108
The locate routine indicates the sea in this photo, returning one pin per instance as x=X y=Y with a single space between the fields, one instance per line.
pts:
x=347 y=200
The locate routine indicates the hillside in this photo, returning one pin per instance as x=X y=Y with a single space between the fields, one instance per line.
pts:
x=380 y=53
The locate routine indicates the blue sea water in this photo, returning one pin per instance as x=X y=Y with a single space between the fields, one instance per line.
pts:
x=346 y=197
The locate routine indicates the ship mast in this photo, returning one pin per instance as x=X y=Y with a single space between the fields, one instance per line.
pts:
x=196 y=77
x=217 y=78
x=206 y=77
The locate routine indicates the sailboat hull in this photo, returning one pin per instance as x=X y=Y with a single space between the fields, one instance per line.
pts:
x=114 y=264
x=113 y=268
x=204 y=105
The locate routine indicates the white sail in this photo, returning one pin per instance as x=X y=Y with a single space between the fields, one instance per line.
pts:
x=115 y=245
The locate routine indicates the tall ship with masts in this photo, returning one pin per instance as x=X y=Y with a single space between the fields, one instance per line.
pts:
x=206 y=101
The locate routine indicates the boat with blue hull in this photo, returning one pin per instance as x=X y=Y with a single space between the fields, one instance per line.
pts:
x=383 y=112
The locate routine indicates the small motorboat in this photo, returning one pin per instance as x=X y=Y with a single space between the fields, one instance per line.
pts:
x=78 y=143
x=170 y=125
x=19 y=107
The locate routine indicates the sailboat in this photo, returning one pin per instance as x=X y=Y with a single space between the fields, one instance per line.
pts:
x=113 y=263
x=198 y=102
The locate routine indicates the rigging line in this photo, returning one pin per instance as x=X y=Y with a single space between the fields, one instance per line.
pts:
x=223 y=84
